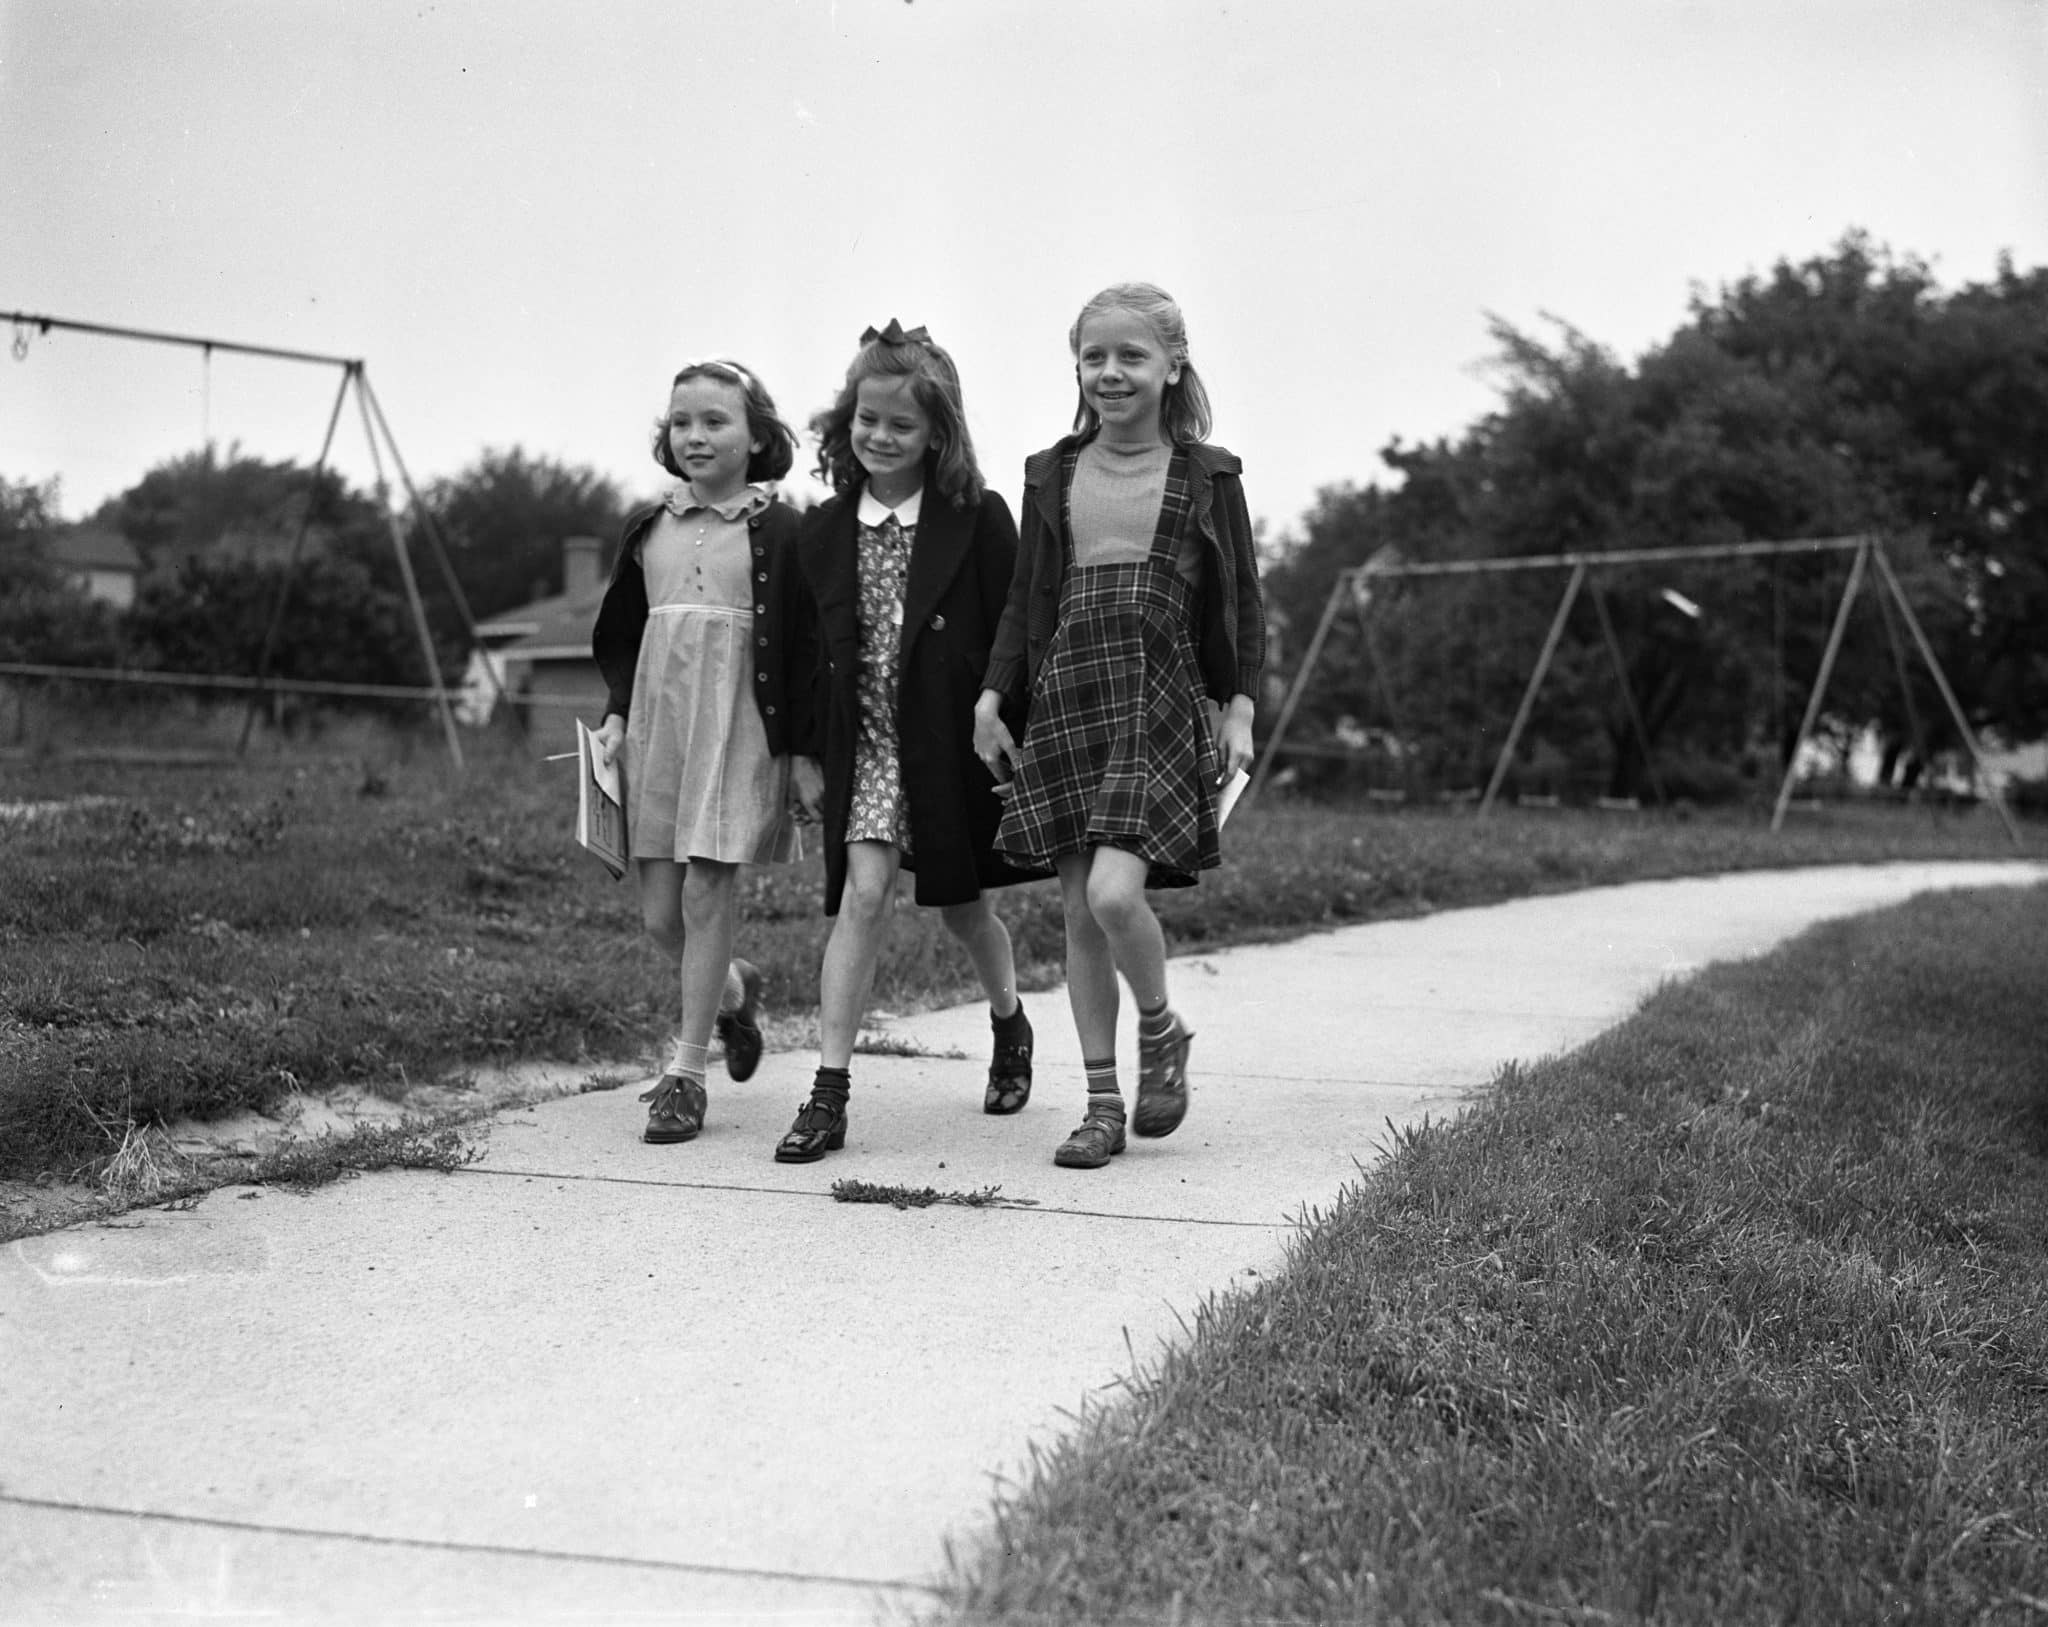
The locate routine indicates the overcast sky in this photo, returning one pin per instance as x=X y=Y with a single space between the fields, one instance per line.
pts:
x=526 y=216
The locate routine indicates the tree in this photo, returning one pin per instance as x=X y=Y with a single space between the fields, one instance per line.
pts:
x=1842 y=395
x=209 y=615
x=504 y=518
x=206 y=503
x=44 y=617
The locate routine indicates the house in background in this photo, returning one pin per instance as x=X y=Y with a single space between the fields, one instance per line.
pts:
x=541 y=655
x=102 y=563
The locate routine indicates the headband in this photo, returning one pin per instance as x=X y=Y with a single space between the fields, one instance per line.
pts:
x=718 y=364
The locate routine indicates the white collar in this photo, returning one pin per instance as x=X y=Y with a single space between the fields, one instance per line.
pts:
x=744 y=504
x=873 y=511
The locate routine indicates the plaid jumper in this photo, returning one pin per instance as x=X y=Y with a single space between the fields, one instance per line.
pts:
x=1118 y=751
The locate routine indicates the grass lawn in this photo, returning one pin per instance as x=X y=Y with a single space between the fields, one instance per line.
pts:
x=190 y=942
x=1733 y=1316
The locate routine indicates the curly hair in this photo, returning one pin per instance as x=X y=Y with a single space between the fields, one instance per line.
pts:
x=949 y=462
x=1184 y=408
x=764 y=424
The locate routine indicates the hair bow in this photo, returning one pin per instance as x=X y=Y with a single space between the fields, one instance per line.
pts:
x=893 y=334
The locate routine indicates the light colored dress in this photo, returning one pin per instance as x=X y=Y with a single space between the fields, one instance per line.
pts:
x=885 y=538
x=700 y=782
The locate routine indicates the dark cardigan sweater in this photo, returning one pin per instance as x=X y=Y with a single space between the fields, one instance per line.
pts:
x=1230 y=642
x=785 y=628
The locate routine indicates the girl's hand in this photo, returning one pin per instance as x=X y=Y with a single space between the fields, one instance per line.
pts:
x=1233 y=736
x=608 y=737
x=992 y=741
x=807 y=789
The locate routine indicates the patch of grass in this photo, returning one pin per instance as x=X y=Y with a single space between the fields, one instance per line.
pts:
x=195 y=941
x=1732 y=1316
x=411 y=1143
x=923 y=1197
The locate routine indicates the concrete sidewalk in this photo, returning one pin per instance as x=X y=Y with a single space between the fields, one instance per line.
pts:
x=595 y=1380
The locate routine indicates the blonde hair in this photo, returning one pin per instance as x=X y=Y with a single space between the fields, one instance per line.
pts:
x=1184 y=406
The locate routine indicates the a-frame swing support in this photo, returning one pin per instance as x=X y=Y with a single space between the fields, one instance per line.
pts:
x=1355 y=585
x=376 y=429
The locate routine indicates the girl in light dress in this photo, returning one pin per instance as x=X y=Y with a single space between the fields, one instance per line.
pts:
x=909 y=563
x=707 y=641
x=1131 y=645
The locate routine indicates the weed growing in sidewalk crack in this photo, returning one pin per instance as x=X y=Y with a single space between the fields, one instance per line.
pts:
x=909 y=1197
x=411 y=1143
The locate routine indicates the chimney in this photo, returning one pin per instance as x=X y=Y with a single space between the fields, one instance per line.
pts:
x=581 y=559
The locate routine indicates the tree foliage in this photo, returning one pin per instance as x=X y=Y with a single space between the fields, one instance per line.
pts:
x=217 y=532
x=1844 y=395
x=214 y=503
x=44 y=616
x=210 y=615
x=504 y=518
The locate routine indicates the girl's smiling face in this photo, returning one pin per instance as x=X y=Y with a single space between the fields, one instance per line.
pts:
x=708 y=436
x=1124 y=371
x=890 y=434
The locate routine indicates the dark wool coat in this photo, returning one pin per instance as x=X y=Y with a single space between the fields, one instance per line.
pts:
x=785 y=628
x=959 y=575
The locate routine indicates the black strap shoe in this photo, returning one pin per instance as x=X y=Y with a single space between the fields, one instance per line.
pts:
x=1009 y=1071
x=820 y=1128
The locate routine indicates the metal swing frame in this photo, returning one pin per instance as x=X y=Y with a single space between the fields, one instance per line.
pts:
x=377 y=433
x=1354 y=586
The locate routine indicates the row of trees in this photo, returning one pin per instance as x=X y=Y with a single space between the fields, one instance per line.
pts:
x=215 y=534
x=1846 y=394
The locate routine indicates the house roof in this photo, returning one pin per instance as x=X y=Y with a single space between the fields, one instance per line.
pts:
x=556 y=628
x=93 y=548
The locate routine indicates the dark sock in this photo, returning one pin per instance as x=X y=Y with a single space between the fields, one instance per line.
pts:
x=832 y=1086
x=1010 y=1027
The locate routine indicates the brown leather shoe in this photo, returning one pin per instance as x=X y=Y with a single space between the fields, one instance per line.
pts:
x=678 y=1110
x=1162 y=1082
x=740 y=1029
x=1099 y=1138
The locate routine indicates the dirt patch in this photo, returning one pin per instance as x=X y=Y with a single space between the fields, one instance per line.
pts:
x=221 y=1152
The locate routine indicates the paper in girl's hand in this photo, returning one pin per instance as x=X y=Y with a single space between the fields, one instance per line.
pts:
x=1226 y=799
x=600 y=804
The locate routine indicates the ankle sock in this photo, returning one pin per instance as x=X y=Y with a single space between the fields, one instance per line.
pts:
x=1009 y=1027
x=1156 y=1025
x=1104 y=1099
x=687 y=1060
x=832 y=1085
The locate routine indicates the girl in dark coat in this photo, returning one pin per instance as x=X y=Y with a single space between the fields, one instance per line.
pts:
x=910 y=565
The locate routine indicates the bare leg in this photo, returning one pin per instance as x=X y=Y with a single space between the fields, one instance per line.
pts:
x=858 y=933
x=980 y=931
x=1091 y=970
x=1117 y=903
x=661 y=904
x=710 y=892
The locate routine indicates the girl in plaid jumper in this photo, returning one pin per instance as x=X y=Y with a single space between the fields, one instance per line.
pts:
x=1130 y=649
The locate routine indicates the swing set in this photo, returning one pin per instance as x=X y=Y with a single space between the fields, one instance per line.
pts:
x=354 y=380
x=1354 y=588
